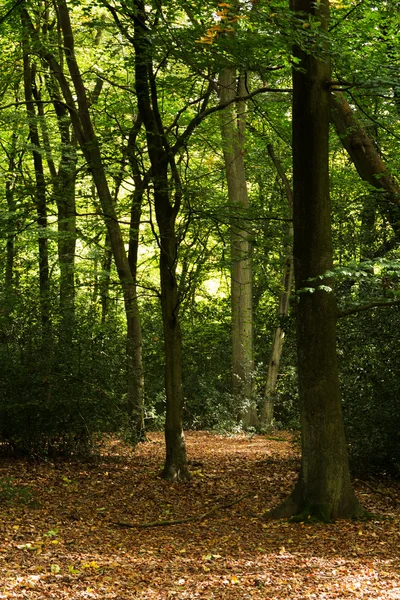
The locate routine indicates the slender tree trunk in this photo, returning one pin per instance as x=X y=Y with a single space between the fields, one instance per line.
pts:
x=40 y=196
x=175 y=467
x=105 y=278
x=134 y=348
x=64 y=191
x=64 y=194
x=10 y=248
x=11 y=207
x=85 y=135
x=232 y=129
x=267 y=411
x=323 y=490
x=63 y=181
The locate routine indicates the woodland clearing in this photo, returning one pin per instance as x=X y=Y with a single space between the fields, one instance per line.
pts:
x=60 y=538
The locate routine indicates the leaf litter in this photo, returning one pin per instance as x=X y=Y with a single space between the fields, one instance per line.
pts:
x=64 y=543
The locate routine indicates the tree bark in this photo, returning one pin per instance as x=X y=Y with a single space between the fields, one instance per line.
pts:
x=233 y=124
x=105 y=278
x=10 y=182
x=91 y=149
x=323 y=490
x=64 y=192
x=40 y=196
x=166 y=210
x=267 y=410
x=134 y=349
x=63 y=180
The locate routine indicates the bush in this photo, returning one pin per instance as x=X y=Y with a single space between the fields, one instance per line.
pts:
x=369 y=350
x=54 y=398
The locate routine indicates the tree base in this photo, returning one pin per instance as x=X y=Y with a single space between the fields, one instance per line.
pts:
x=176 y=465
x=176 y=474
x=299 y=509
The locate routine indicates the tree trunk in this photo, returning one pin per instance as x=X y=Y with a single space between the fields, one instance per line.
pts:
x=175 y=467
x=11 y=176
x=135 y=412
x=267 y=410
x=105 y=278
x=91 y=149
x=85 y=135
x=64 y=192
x=323 y=490
x=63 y=181
x=232 y=129
x=40 y=196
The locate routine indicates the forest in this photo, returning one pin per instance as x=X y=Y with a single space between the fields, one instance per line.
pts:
x=200 y=227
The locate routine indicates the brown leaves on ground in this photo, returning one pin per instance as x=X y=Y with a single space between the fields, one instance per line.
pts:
x=61 y=543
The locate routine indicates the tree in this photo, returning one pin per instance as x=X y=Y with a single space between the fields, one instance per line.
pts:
x=233 y=123
x=166 y=208
x=267 y=409
x=323 y=489
x=40 y=195
x=89 y=143
x=367 y=159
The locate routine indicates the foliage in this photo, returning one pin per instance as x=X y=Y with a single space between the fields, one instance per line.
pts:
x=54 y=398
x=13 y=494
x=61 y=385
x=370 y=390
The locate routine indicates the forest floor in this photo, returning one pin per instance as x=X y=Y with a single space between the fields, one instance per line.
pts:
x=59 y=539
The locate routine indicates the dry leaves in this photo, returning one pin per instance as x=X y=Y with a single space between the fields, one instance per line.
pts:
x=64 y=545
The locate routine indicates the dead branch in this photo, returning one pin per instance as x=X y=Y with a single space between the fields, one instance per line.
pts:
x=386 y=494
x=179 y=521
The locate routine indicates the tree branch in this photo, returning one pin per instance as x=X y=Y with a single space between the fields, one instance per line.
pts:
x=179 y=521
x=209 y=111
x=378 y=491
x=363 y=307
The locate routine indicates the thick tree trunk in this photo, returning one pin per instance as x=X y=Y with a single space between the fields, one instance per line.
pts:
x=267 y=410
x=232 y=129
x=324 y=489
x=175 y=467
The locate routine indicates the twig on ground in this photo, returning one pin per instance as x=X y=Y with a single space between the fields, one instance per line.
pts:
x=184 y=520
x=386 y=494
